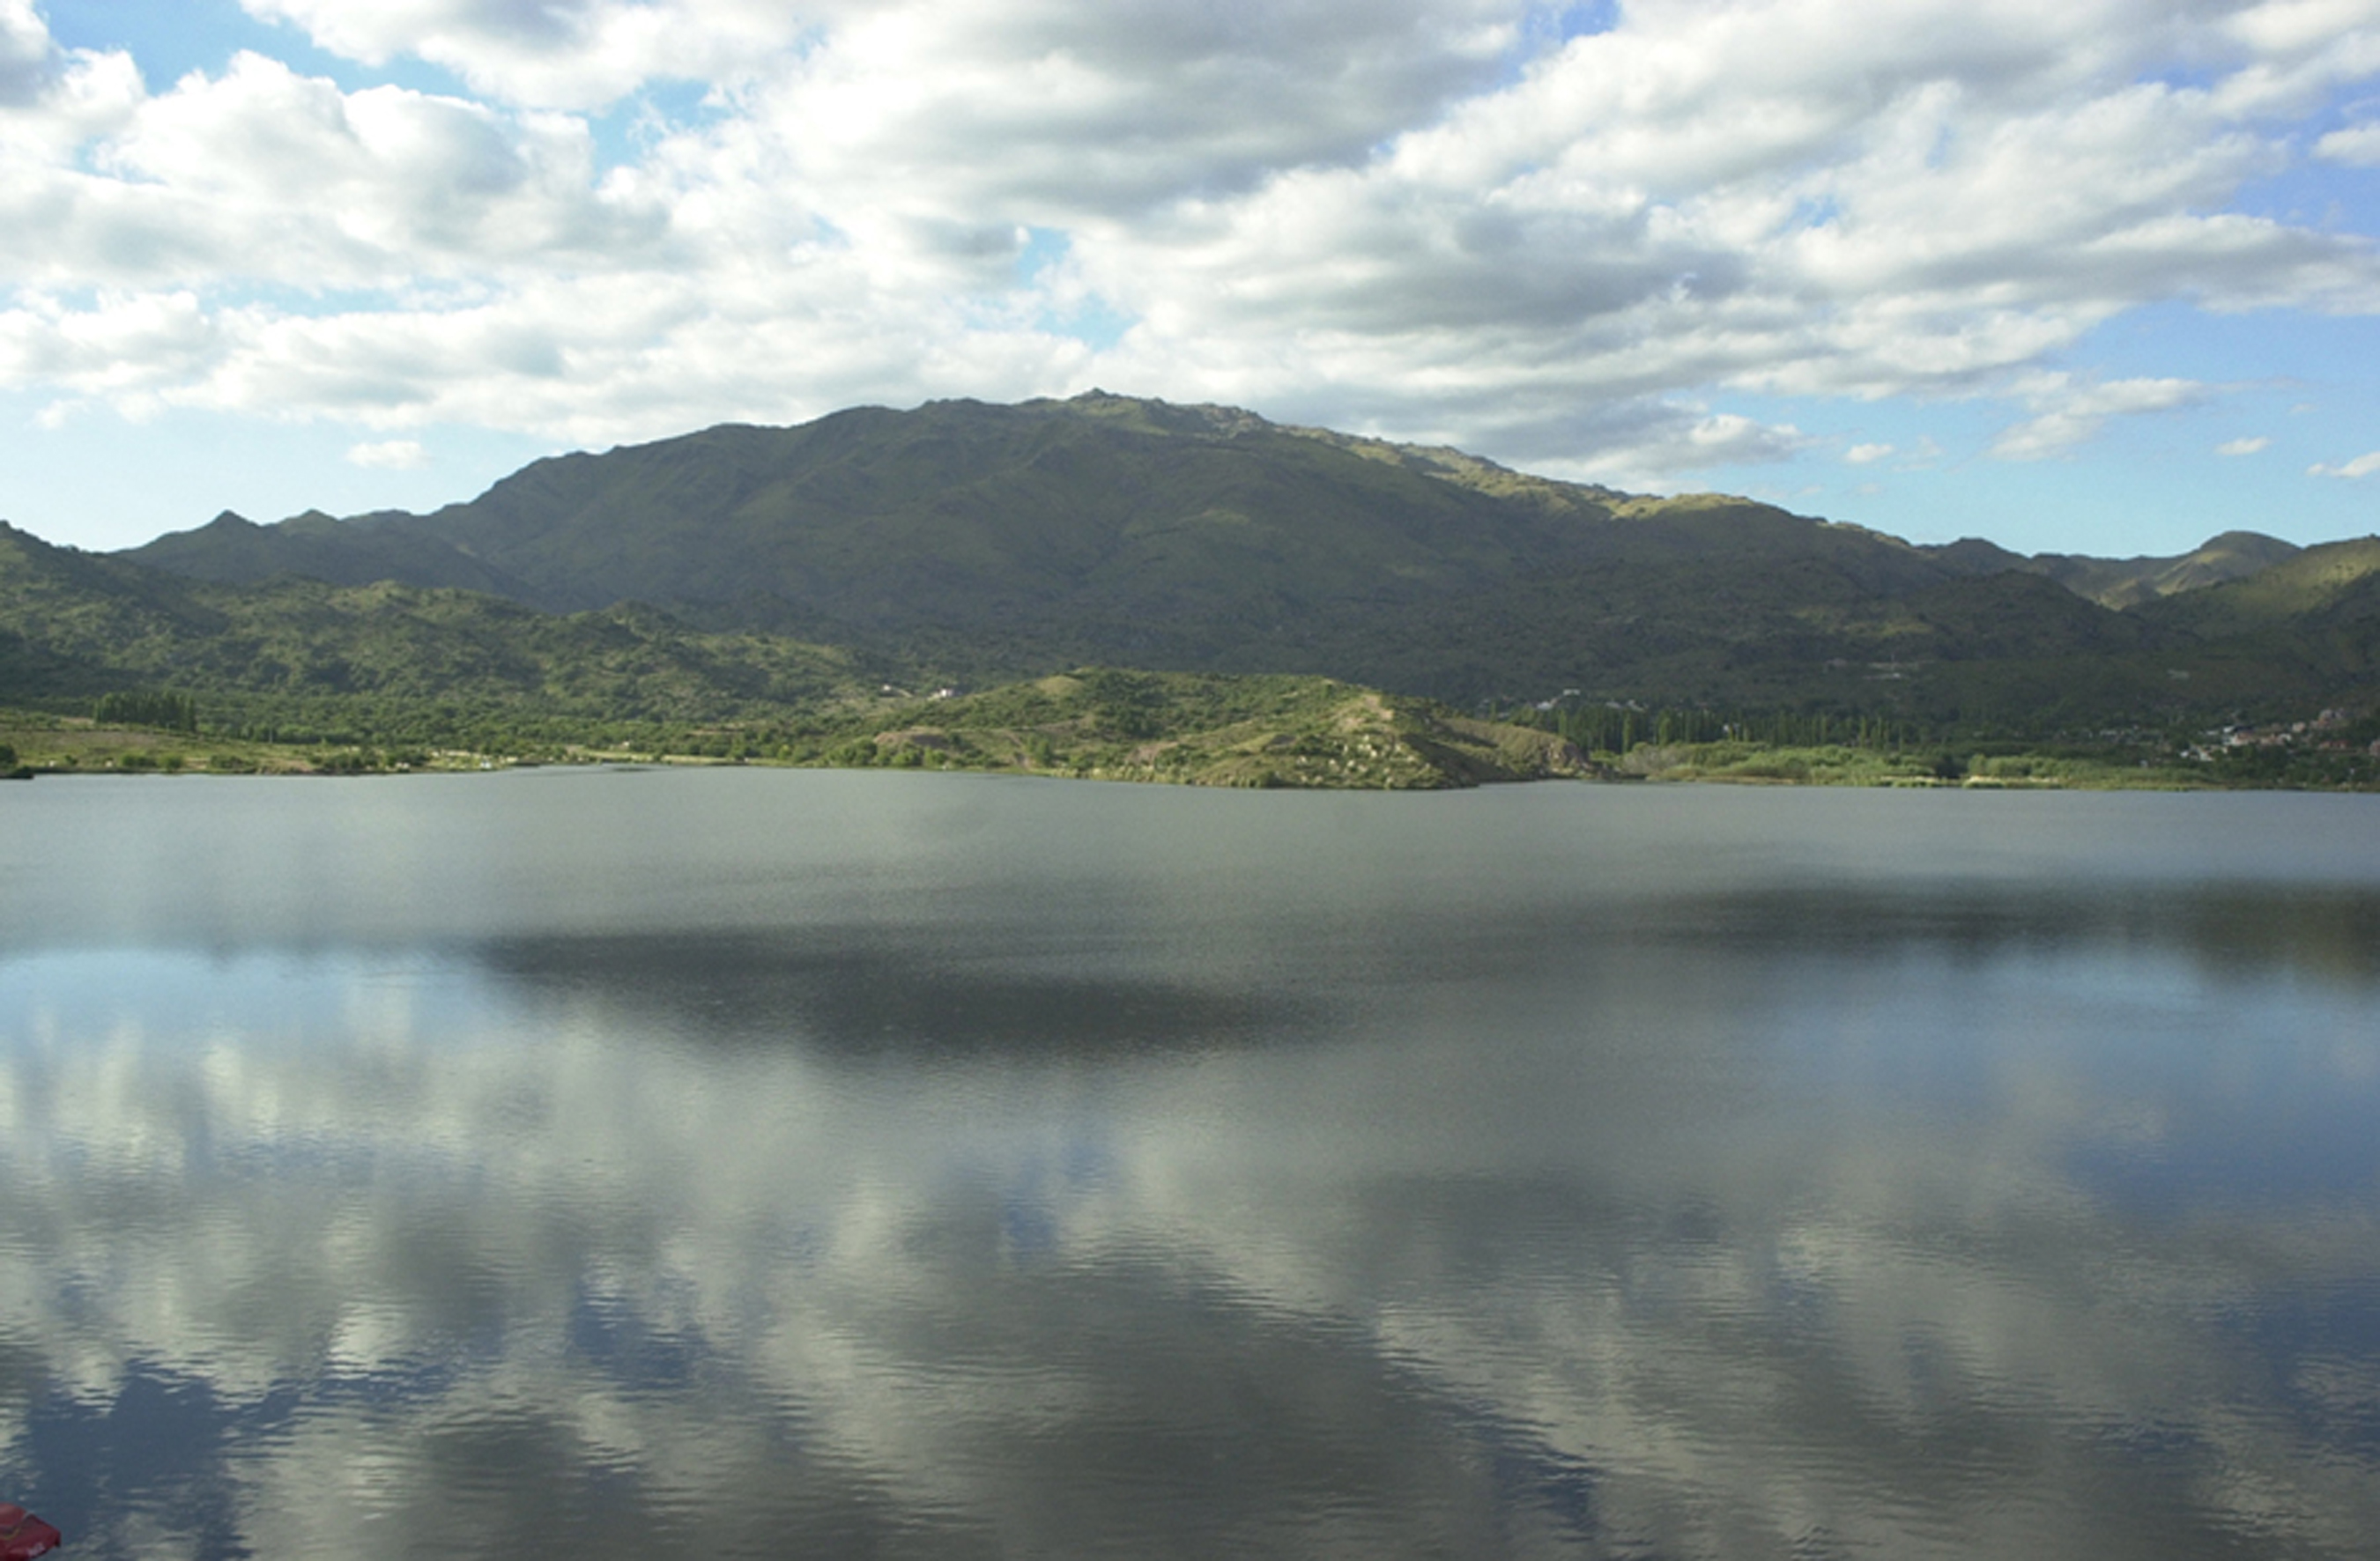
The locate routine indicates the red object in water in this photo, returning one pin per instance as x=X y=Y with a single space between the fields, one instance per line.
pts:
x=24 y=1536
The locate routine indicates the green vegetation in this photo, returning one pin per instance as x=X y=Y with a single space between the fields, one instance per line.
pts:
x=2332 y=751
x=1615 y=728
x=984 y=544
x=299 y=658
x=1202 y=730
x=160 y=708
x=820 y=584
x=964 y=543
x=1837 y=765
x=1206 y=729
x=1097 y=723
x=2122 y=583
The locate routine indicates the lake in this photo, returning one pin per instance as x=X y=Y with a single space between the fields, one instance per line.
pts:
x=746 y=1162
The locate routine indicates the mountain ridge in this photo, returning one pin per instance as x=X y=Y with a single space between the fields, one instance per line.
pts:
x=721 y=474
x=975 y=544
x=1014 y=541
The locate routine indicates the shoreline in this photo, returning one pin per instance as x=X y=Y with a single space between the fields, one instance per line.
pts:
x=1356 y=741
x=2165 y=781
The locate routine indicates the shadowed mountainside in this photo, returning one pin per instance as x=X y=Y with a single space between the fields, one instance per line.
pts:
x=982 y=543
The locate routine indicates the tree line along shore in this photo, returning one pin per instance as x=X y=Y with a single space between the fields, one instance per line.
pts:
x=1195 y=728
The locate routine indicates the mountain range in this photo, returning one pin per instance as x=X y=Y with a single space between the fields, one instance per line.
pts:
x=975 y=544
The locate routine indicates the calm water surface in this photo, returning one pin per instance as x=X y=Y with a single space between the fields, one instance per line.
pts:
x=767 y=1163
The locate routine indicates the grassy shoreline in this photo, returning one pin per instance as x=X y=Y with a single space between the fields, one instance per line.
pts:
x=1264 y=730
x=1741 y=762
x=1370 y=745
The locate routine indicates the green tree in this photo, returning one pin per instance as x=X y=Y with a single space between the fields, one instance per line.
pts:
x=150 y=707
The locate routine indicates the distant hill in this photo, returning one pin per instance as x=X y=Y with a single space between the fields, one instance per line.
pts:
x=74 y=625
x=232 y=550
x=1098 y=511
x=2320 y=607
x=996 y=541
x=393 y=663
x=2315 y=590
x=2129 y=581
x=978 y=544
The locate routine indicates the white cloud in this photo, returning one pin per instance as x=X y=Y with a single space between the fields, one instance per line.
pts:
x=1866 y=454
x=2358 y=146
x=1927 y=205
x=1645 y=443
x=939 y=76
x=261 y=174
x=1394 y=217
x=2250 y=446
x=127 y=348
x=2069 y=413
x=2362 y=466
x=392 y=454
x=572 y=53
x=968 y=113
x=1723 y=439
x=53 y=99
x=24 y=52
x=58 y=413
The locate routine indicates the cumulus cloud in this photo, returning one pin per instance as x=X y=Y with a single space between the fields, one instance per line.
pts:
x=2249 y=446
x=262 y=174
x=53 y=99
x=1640 y=443
x=2362 y=466
x=2358 y=146
x=24 y=52
x=1721 y=439
x=391 y=454
x=1426 y=218
x=1866 y=454
x=2071 y=413
x=1062 y=109
x=575 y=53
x=127 y=348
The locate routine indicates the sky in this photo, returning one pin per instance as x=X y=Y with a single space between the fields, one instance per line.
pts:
x=2076 y=275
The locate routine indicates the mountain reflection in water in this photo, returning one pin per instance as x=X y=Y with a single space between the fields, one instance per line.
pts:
x=960 y=1168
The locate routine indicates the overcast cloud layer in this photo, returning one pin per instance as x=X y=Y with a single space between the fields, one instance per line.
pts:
x=1601 y=241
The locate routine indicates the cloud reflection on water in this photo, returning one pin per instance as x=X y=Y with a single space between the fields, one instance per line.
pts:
x=1334 y=1284
x=1680 y=1222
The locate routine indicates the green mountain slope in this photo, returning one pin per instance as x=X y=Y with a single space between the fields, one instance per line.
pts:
x=2330 y=586
x=2129 y=582
x=976 y=544
x=73 y=626
x=1103 y=524
x=961 y=513
x=997 y=541
x=232 y=549
x=2320 y=608
x=397 y=664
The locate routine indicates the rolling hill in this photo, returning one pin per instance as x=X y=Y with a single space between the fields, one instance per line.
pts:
x=74 y=625
x=976 y=544
x=990 y=542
